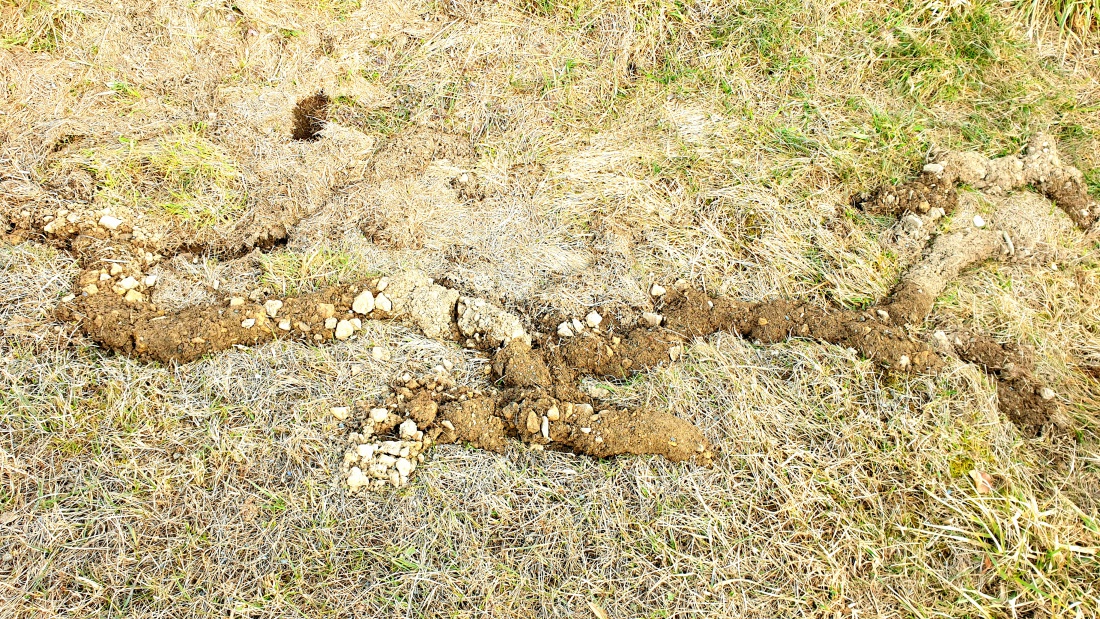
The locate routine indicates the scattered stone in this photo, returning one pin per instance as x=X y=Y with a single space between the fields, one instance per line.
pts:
x=651 y=319
x=407 y=429
x=903 y=362
x=1047 y=393
x=150 y=280
x=404 y=467
x=532 y=422
x=340 y=412
x=364 y=303
x=236 y=301
x=326 y=310
x=379 y=354
x=330 y=323
x=355 y=322
x=356 y=479
x=383 y=303
x=115 y=269
x=284 y=324
x=553 y=414
x=657 y=290
x=90 y=289
x=675 y=352
x=67 y=298
x=111 y=223
x=593 y=319
x=937 y=213
x=272 y=307
x=564 y=330
x=979 y=221
x=545 y=427
x=344 y=329
x=933 y=168
x=578 y=326
x=378 y=415
x=883 y=314
x=911 y=223
x=133 y=296
x=129 y=283
x=248 y=323
x=382 y=283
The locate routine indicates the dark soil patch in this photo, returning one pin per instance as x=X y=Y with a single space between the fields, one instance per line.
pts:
x=309 y=117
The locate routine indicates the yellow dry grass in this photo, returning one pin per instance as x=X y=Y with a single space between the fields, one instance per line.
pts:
x=716 y=141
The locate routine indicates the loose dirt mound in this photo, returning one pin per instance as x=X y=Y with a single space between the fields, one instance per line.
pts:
x=538 y=400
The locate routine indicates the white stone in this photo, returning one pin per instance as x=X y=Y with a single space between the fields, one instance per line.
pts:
x=379 y=354
x=403 y=466
x=979 y=222
x=111 y=223
x=366 y=450
x=382 y=283
x=355 y=322
x=364 y=303
x=934 y=168
x=578 y=326
x=330 y=323
x=90 y=289
x=593 y=319
x=1047 y=393
x=236 y=301
x=284 y=324
x=657 y=290
x=150 y=280
x=407 y=429
x=343 y=330
x=553 y=414
x=911 y=223
x=546 y=427
x=392 y=448
x=564 y=330
x=883 y=314
x=903 y=361
x=129 y=283
x=104 y=277
x=341 y=412
x=378 y=415
x=272 y=307
x=937 y=213
x=356 y=478
x=67 y=298
x=675 y=352
x=383 y=303
x=651 y=319
x=133 y=296
x=248 y=323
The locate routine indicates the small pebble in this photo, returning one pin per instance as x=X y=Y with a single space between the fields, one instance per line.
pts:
x=657 y=290
x=382 y=283
x=883 y=314
x=593 y=319
x=284 y=324
x=150 y=280
x=248 y=323
x=133 y=296
x=236 y=301
x=340 y=412
x=979 y=222
x=330 y=323
x=378 y=415
x=379 y=354
x=553 y=414
x=326 y=310
x=343 y=330
x=355 y=322
x=364 y=303
x=651 y=319
x=1047 y=393
x=564 y=330
x=111 y=223
x=934 y=168
x=272 y=307
x=578 y=326
x=383 y=303
x=129 y=283
x=356 y=479
x=407 y=429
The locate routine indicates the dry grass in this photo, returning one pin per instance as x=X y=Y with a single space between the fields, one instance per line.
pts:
x=714 y=141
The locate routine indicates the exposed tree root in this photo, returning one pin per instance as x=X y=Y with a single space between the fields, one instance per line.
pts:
x=539 y=401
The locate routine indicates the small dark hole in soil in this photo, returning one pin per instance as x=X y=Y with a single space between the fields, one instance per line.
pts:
x=309 y=116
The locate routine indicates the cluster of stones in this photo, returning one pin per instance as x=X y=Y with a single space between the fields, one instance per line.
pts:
x=388 y=441
x=123 y=280
x=342 y=328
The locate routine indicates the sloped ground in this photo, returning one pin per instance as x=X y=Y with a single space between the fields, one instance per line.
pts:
x=554 y=160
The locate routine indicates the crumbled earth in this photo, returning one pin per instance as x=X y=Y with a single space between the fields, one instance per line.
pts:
x=537 y=398
x=309 y=117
